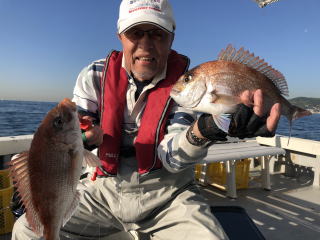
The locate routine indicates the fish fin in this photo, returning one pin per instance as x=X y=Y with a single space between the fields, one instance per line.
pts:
x=225 y=99
x=20 y=175
x=248 y=59
x=91 y=159
x=71 y=209
x=222 y=121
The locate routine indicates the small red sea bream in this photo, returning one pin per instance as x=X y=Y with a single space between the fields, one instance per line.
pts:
x=47 y=175
x=214 y=87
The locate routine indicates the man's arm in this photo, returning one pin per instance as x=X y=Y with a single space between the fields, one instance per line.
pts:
x=177 y=152
x=86 y=95
x=87 y=92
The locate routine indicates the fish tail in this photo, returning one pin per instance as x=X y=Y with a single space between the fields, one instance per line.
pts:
x=294 y=113
x=298 y=112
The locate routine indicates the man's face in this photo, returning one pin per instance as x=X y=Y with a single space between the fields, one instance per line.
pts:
x=146 y=53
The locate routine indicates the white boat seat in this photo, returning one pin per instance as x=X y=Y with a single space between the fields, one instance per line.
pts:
x=226 y=152
x=230 y=152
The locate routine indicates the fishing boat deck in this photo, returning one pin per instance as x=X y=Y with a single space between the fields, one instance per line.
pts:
x=290 y=210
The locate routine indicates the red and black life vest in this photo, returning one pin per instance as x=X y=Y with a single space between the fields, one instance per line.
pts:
x=114 y=85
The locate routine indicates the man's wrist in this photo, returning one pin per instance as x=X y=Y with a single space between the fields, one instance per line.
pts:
x=193 y=138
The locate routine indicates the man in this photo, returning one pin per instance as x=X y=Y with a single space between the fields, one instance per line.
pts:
x=147 y=144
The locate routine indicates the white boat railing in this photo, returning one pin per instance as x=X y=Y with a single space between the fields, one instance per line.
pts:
x=299 y=151
x=14 y=144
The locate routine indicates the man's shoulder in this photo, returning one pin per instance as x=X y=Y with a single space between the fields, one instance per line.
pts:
x=175 y=52
x=98 y=65
x=177 y=55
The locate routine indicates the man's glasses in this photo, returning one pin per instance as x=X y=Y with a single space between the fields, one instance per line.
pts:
x=155 y=34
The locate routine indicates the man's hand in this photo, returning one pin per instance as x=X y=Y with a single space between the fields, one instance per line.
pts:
x=94 y=136
x=93 y=133
x=249 y=120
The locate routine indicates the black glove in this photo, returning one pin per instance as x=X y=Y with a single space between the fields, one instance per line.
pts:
x=244 y=124
x=209 y=129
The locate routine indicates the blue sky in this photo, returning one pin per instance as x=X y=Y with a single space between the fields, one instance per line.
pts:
x=44 y=44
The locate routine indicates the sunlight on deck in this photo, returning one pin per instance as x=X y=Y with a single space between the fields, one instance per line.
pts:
x=277 y=213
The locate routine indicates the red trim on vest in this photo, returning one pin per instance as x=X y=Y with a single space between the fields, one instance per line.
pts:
x=153 y=122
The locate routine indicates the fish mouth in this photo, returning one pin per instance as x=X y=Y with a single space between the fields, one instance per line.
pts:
x=67 y=103
x=174 y=92
x=67 y=109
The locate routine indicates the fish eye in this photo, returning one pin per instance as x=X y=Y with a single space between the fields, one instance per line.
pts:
x=187 y=78
x=58 y=123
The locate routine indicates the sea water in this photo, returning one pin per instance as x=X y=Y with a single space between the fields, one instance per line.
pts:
x=23 y=117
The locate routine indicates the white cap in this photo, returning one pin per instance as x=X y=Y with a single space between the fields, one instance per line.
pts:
x=156 y=12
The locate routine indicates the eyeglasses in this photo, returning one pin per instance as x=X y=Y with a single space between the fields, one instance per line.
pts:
x=155 y=34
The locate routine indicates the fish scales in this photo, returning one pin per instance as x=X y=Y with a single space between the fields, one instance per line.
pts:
x=59 y=196
x=215 y=87
x=239 y=77
x=47 y=175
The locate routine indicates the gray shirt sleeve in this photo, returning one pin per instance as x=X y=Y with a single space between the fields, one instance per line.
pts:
x=175 y=151
x=86 y=93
